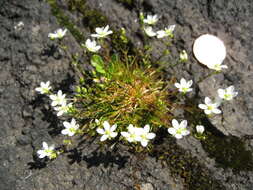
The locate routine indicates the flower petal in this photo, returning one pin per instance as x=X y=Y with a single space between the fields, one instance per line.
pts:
x=65 y=131
x=144 y=143
x=177 y=85
x=41 y=153
x=207 y=111
x=203 y=106
x=113 y=134
x=185 y=132
x=113 y=127
x=106 y=125
x=146 y=128
x=104 y=137
x=100 y=131
x=151 y=135
x=125 y=134
x=216 y=111
x=178 y=136
x=183 y=82
x=44 y=145
x=51 y=147
x=183 y=124
x=175 y=123
x=66 y=124
x=208 y=100
x=172 y=131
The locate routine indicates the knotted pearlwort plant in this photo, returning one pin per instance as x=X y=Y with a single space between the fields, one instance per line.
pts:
x=125 y=98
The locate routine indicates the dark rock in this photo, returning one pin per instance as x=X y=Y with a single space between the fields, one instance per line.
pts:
x=28 y=57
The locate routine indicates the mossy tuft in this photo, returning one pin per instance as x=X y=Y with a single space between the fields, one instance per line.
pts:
x=229 y=152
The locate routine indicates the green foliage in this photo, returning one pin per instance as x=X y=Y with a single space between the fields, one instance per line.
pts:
x=65 y=21
x=229 y=152
x=90 y=17
x=123 y=91
x=181 y=163
x=98 y=63
x=121 y=43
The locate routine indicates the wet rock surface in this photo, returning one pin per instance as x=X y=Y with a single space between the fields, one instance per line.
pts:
x=28 y=57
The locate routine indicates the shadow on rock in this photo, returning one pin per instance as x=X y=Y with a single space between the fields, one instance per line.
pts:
x=52 y=119
x=228 y=151
x=51 y=51
x=37 y=165
x=108 y=159
x=75 y=156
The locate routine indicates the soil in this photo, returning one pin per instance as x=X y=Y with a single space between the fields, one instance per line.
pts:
x=28 y=57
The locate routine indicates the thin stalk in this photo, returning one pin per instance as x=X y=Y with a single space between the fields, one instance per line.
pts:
x=209 y=75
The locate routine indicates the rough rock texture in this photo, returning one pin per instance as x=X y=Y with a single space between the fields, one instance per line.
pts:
x=28 y=57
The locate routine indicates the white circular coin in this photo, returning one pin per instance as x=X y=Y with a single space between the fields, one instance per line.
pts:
x=209 y=50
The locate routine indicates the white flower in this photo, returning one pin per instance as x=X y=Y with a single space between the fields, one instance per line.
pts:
x=228 y=93
x=46 y=151
x=44 y=88
x=178 y=130
x=92 y=45
x=210 y=107
x=217 y=66
x=133 y=134
x=146 y=135
x=151 y=19
x=63 y=108
x=101 y=32
x=166 y=32
x=149 y=31
x=108 y=131
x=184 y=86
x=58 y=99
x=200 y=129
x=71 y=128
x=59 y=33
x=183 y=56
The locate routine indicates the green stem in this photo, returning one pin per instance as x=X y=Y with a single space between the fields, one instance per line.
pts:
x=209 y=75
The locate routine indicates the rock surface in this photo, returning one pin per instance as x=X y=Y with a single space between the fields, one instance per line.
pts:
x=28 y=57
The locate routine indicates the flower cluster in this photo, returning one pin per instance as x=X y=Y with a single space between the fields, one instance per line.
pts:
x=101 y=32
x=228 y=93
x=136 y=134
x=148 y=29
x=211 y=107
x=133 y=133
x=59 y=104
